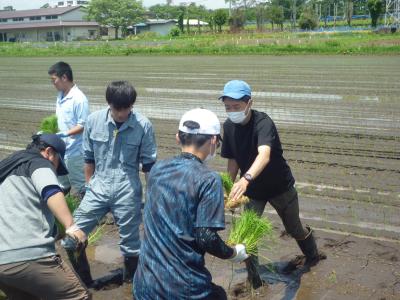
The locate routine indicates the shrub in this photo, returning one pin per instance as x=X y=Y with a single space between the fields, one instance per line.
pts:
x=175 y=32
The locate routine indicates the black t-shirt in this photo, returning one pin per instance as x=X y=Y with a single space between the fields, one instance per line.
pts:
x=241 y=143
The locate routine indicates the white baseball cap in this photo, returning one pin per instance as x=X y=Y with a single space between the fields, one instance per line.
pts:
x=200 y=121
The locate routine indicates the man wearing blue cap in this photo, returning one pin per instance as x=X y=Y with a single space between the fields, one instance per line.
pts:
x=251 y=144
x=30 y=198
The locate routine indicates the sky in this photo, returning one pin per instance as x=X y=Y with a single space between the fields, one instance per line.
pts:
x=31 y=4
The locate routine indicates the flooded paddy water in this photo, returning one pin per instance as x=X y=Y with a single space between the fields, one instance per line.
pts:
x=339 y=121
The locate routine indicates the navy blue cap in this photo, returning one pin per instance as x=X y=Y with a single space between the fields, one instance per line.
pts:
x=58 y=145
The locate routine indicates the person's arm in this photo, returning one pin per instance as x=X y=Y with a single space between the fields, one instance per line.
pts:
x=60 y=210
x=233 y=168
x=75 y=130
x=81 y=113
x=88 y=170
x=259 y=164
x=208 y=240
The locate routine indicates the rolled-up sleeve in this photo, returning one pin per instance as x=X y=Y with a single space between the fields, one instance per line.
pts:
x=81 y=111
x=88 y=153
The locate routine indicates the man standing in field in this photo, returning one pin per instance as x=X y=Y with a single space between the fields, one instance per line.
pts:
x=30 y=197
x=183 y=212
x=251 y=144
x=72 y=110
x=116 y=142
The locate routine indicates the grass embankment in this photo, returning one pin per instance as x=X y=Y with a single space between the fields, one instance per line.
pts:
x=281 y=43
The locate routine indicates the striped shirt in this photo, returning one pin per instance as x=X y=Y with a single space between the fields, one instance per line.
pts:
x=182 y=195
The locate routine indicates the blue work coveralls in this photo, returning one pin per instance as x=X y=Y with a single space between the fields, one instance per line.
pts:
x=115 y=185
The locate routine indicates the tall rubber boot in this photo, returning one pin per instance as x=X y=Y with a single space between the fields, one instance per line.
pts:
x=253 y=275
x=130 y=266
x=311 y=254
x=81 y=266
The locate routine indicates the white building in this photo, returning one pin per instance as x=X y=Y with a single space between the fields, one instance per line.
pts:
x=46 y=24
x=71 y=3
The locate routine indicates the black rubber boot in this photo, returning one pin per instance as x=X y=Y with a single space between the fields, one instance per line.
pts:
x=311 y=255
x=130 y=266
x=309 y=249
x=81 y=266
x=253 y=275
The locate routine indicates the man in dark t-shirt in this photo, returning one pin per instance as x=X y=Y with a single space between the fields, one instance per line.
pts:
x=251 y=144
x=184 y=210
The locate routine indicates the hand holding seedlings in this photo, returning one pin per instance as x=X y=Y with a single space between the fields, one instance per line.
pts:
x=240 y=254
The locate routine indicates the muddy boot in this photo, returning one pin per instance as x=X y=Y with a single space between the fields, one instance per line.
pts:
x=81 y=266
x=130 y=265
x=253 y=275
x=311 y=255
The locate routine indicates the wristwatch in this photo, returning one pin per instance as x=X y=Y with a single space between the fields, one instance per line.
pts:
x=248 y=177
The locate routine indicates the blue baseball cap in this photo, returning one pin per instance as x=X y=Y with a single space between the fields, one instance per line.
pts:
x=55 y=142
x=236 y=89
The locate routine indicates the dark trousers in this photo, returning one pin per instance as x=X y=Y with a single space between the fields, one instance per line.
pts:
x=287 y=207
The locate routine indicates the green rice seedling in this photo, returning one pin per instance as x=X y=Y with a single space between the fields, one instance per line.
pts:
x=49 y=124
x=95 y=236
x=249 y=229
x=73 y=203
x=226 y=182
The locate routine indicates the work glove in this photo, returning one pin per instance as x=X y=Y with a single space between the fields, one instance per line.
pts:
x=240 y=254
x=62 y=134
x=75 y=239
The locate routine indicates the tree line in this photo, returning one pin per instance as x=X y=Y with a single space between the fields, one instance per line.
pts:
x=304 y=14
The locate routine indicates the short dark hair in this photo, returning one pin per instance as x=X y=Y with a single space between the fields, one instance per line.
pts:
x=245 y=98
x=120 y=94
x=188 y=139
x=61 y=68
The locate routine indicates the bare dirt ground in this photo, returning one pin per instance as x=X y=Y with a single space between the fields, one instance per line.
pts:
x=339 y=122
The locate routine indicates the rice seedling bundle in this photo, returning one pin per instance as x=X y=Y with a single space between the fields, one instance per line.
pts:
x=227 y=183
x=249 y=229
x=49 y=124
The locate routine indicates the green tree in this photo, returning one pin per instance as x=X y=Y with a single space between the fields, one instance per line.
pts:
x=308 y=20
x=237 y=20
x=375 y=8
x=220 y=18
x=275 y=15
x=119 y=14
x=180 y=21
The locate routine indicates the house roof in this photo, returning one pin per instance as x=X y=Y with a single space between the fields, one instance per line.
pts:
x=51 y=24
x=158 y=21
x=51 y=11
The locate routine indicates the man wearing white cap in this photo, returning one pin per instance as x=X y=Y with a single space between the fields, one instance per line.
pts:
x=184 y=210
x=252 y=145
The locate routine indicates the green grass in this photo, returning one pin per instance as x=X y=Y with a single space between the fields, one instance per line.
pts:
x=276 y=43
x=249 y=229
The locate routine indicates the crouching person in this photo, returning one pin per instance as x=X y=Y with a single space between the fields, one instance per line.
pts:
x=116 y=141
x=30 y=197
x=184 y=210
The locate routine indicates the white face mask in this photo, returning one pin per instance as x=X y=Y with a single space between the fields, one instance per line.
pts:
x=238 y=117
x=211 y=155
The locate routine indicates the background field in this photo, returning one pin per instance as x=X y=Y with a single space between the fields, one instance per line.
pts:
x=338 y=116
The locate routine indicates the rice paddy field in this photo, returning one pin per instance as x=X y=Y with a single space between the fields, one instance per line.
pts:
x=338 y=118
